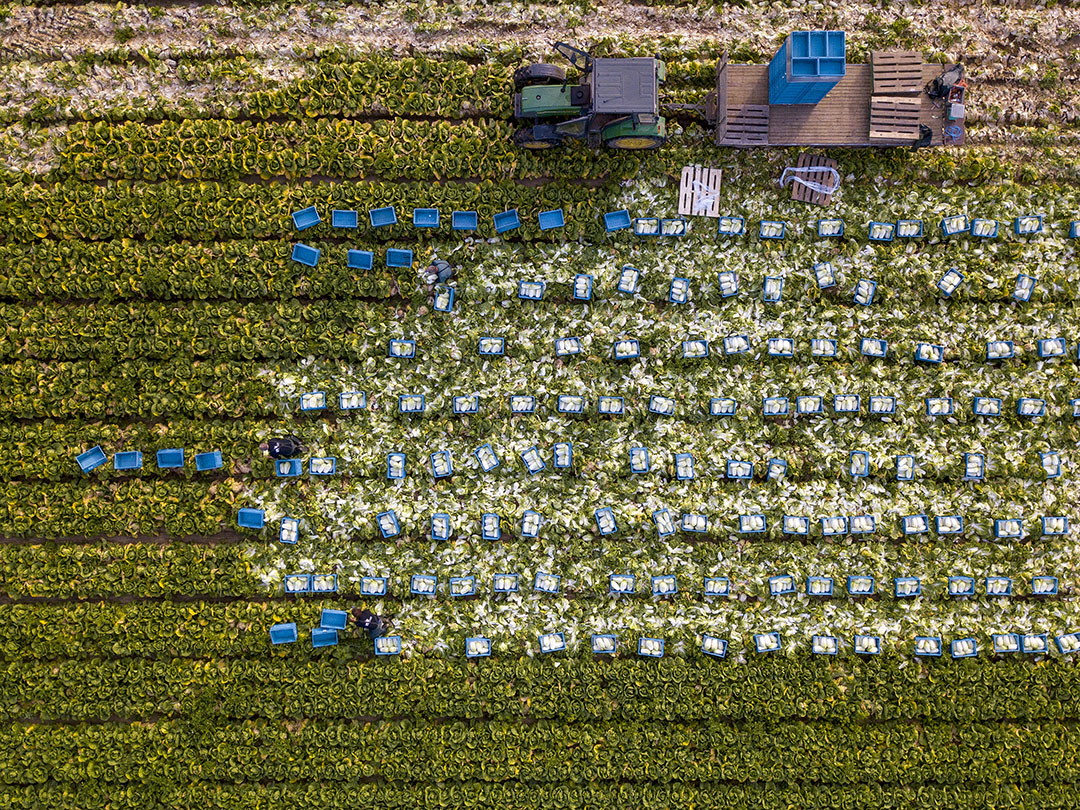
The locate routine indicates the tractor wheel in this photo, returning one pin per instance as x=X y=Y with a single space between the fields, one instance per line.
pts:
x=538 y=74
x=528 y=138
x=635 y=142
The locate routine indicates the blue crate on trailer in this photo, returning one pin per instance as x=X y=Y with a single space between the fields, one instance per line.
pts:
x=781 y=585
x=964 y=648
x=91 y=459
x=551 y=219
x=324 y=465
x=288 y=467
x=714 y=646
x=398 y=257
x=881 y=232
x=830 y=227
x=604 y=643
x=647 y=226
x=955 y=224
x=128 y=460
x=208 y=461
x=907 y=587
x=807 y=66
x=909 y=228
x=381 y=217
x=388 y=645
x=388 y=524
x=323 y=637
x=984 y=228
x=361 y=259
x=650 y=647
x=1028 y=225
x=440 y=526
x=506 y=221
x=998 y=586
x=305 y=254
x=250 y=518
x=343 y=219
x=753 y=524
x=464 y=220
x=306 y=218
x=716 y=586
x=617 y=220
x=505 y=583
x=767 y=642
x=477 y=647
x=605 y=520
x=819 y=586
x=170 y=458
x=333 y=619
x=563 y=455
x=731 y=226
x=928 y=646
x=289 y=531
x=444 y=298
x=425 y=217
x=1034 y=643
x=772 y=229
x=284 y=633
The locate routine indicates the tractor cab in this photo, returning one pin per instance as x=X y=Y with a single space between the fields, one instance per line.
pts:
x=615 y=102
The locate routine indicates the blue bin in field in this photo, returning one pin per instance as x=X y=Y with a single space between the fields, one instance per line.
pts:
x=506 y=221
x=361 y=259
x=343 y=219
x=128 y=460
x=305 y=254
x=551 y=219
x=208 y=461
x=288 y=468
x=323 y=637
x=381 y=217
x=808 y=65
x=425 y=217
x=91 y=459
x=396 y=257
x=334 y=619
x=306 y=218
x=463 y=220
x=170 y=458
x=617 y=220
x=283 y=633
x=250 y=518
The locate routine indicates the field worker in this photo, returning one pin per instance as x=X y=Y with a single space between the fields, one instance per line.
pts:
x=287 y=447
x=373 y=625
x=439 y=271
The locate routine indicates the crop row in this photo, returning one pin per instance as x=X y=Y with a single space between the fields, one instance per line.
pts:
x=547 y=752
x=763 y=688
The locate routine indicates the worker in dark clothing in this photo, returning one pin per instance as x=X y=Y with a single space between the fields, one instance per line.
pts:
x=373 y=625
x=287 y=447
x=438 y=271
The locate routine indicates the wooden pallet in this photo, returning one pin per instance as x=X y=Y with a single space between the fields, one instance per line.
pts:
x=699 y=191
x=896 y=73
x=801 y=193
x=747 y=125
x=894 y=118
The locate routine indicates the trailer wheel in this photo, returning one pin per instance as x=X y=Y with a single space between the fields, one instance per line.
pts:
x=635 y=142
x=538 y=73
x=536 y=138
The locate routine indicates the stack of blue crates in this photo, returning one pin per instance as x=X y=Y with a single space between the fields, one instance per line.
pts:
x=808 y=65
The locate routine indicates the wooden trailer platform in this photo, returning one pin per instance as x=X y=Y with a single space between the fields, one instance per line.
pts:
x=744 y=116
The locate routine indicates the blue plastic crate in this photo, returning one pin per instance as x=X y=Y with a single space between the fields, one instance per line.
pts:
x=305 y=254
x=626 y=349
x=679 y=291
x=819 y=586
x=297 y=583
x=955 y=224
x=834 y=526
x=288 y=467
x=283 y=633
x=506 y=221
x=907 y=587
x=825 y=275
x=442 y=464
x=400 y=349
x=333 y=619
x=289 y=532
x=128 y=460
x=865 y=290
x=807 y=66
x=866 y=645
x=1054 y=525
x=306 y=218
x=531 y=289
x=464 y=220
x=753 y=524
x=388 y=645
x=388 y=524
x=381 y=217
x=949 y=524
x=490 y=526
x=781 y=585
x=915 y=524
x=343 y=219
x=552 y=642
x=774 y=407
x=521 y=404
x=505 y=583
x=532 y=460
x=563 y=455
x=617 y=220
x=776 y=469
x=847 y=403
x=873 y=347
x=551 y=219
x=425 y=217
x=665 y=525
x=938 y=406
x=772 y=290
x=423 y=584
x=313 y=401
x=716 y=586
x=1025 y=286
x=477 y=647
x=949 y=282
x=909 y=228
x=466 y=404
x=984 y=228
x=208 y=461
x=731 y=226
x=862 y=524
x=316 y=465
x=490 y=346
x=1034 y=643
x=323 y=637
x=1030 y=407
x=1044 y=586
x=444 y=298
x=673 y=227
x=881 y=231
x=650 y=647
x=964 y=648
x=772 y=229
x=1049 y=348
x=861 y=585
x=91 y=459
x=604 y=643
x=398 y=257
x=352 y=400
x=250 y=518
x=1067 y=643
x=928 y=646
x=440 y=526
x=695 y=522
x=486 y=457
x=882 y=406
x=544 y=582
x=998 y=586
x=605 y=520
x=1074 y=229
x=582 y=287
x=722 y=406
x=324 y=583
x=361 y=259
x=768 y=642
x=170 y=458
x=1005 y=642
x=827 y=228
x=647 y=226
x=696 y=349
x=714 y=646
x=461 y=587
x=824 y=645
x=530 y=524
x=781 y=347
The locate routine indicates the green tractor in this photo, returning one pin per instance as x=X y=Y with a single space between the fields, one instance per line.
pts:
x=615 y=102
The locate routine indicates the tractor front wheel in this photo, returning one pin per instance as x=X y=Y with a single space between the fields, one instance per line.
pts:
x=536 y=138
x=538 y=74
x=635 y=142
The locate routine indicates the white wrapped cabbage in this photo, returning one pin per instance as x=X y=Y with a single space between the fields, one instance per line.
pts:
x=740 y=469
x=397 y=465
x=621 y=583
x=315 y=399
x=768 y=641
x=824 y=645
x=603 y=643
